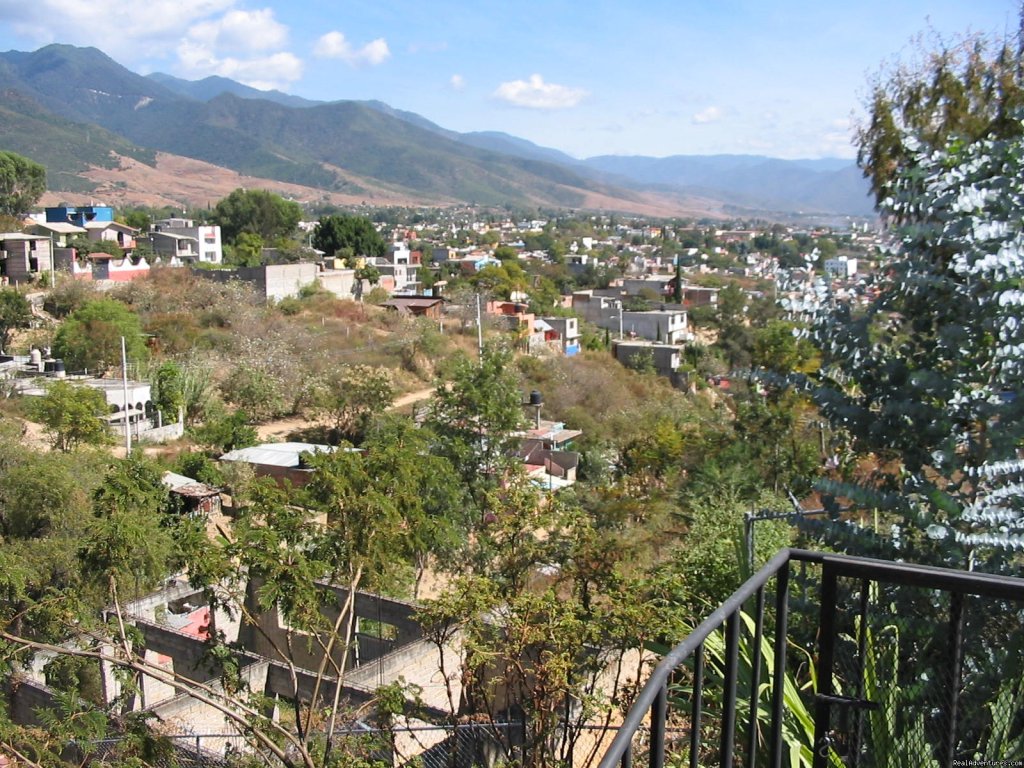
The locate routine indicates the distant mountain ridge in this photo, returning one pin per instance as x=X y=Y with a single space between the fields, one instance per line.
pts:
x=62 y=90
x=210 y=87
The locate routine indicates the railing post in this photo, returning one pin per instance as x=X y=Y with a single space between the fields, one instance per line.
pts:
x=732 y=642
x=862 y=648
x=659 y=714
x=696 y=705
x=956 y=658
x=826 y=639
x=755 y=679
x=779 y=676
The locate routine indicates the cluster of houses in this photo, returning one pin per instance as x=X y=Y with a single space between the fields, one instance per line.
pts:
x=47 y=244
x=645 y=311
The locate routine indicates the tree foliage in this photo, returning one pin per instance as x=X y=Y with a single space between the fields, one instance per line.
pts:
x=550 y=623
x=926 y=381
x=90 y=338
x=353 y=396
x=476 y=416
x=168 y=387
x=22 y=183
x=347 y=236
x=966 y=89
x=72 y=415
x=15 y=312
x=256 y=212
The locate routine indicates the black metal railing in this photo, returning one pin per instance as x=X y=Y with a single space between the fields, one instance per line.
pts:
x=856 y=663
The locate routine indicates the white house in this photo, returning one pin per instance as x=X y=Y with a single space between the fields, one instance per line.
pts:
x=187 y=241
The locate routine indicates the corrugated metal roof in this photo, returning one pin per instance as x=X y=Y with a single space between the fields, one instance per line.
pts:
x=186 y=486
x=173 y=480
x=60 y=227
x=275 y=454
x=398 y=301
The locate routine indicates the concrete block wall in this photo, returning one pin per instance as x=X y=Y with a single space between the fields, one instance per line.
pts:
x=272 y=281
x=185 y=714
x=418 y=663
x=271 y=633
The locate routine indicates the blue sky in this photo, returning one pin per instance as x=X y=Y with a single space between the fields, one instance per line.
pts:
x=649 y=77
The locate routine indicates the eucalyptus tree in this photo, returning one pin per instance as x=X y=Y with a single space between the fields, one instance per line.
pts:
x=965 y=89
x=925 y=382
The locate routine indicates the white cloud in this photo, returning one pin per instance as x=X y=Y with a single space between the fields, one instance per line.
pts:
x=536 y=94
x=240 y=32
x=334 y=45
x=709 y=115
x=243 y=45
x=458 y=82
x=276 y=70
x=139 y=26
x=209 y=37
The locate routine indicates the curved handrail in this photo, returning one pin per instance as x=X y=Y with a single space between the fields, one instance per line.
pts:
x=680 y=653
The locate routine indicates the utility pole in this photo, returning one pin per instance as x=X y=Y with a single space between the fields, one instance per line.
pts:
x=124 y=384
x=479 y=329
x=620 y=319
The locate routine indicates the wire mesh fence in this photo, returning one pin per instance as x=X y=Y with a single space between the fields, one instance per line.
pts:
x=465 y=745
x=926 y=677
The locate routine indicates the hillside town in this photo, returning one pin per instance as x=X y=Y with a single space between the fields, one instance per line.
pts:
x=528 y=465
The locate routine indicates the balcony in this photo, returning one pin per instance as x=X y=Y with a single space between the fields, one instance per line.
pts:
x=829 y=661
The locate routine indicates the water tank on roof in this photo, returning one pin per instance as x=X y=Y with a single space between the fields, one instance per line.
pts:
x=536 y=398
x=35 y=356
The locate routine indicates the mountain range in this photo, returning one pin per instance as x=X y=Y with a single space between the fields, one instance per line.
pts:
x=98 y=128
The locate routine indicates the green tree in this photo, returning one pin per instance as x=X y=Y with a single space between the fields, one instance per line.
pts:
x=396 y=461
x=126 y=542
x=226 y=431
x=965 y=89
x=344 y=234
x=138 y=218
x=256 y=391
x=257 y=212
x=90 y=338
x=732 y=304
x=247 y=250
x=168 y=388
x=506 y=253
x=779 y=348
x=545 y=612
x=925 y=381
x=72 y=415
x=353 y=396
x=366 y=273
x=22 y=183
x=502 y=281
x=476 y=416
x=15 y=312
x=544 y=296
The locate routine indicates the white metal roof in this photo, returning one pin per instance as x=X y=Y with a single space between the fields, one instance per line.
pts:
x=60 y=227
x=275 y=454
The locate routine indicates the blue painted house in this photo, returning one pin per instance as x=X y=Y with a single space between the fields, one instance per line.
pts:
x=80 y=215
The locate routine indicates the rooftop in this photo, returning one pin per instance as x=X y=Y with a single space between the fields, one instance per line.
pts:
x=276 y=454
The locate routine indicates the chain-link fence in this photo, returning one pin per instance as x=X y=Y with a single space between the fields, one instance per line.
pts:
x=465 y=745
x=924 y=676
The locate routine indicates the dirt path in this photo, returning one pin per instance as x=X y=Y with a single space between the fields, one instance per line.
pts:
x=280 y=429
x=410 y=398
